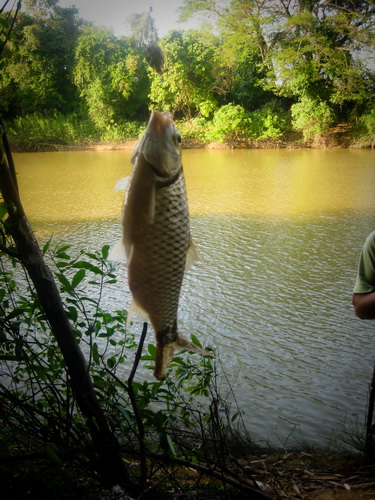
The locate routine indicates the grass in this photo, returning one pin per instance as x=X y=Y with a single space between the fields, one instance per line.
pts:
x=37 y=132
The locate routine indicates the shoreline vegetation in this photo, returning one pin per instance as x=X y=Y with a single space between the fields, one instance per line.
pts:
x=53 y=138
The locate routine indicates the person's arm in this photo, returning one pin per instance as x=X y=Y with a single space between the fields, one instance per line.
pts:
x=364 y=305
x=363 y=298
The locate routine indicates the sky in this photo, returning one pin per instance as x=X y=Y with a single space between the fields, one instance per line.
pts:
x=113 y=13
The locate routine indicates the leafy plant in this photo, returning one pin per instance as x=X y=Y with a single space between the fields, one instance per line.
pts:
x=313 y=118
x=173 y=417
x=230 y=124
x=38 y=131
x=269 y=122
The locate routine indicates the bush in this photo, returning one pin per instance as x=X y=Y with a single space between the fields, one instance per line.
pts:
x=367 y=121
x=313 y=118
x=230 y=124
x=193 y=129
x=268 y=122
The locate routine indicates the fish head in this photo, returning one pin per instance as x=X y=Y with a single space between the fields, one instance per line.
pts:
x=161 y=144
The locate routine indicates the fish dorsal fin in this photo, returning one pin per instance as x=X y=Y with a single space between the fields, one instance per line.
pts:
x=192 y=256
x=122 y=183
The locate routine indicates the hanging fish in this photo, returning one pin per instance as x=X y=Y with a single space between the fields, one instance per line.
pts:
x=156 y=235
x=154 y=56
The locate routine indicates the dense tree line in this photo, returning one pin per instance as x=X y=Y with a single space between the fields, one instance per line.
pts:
x=262 y=67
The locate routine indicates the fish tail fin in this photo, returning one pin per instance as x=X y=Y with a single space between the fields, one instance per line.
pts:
x=165 y=352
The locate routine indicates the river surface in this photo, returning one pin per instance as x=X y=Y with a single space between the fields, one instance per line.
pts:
x=280 y=232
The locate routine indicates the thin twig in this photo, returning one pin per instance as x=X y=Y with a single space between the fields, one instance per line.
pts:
x=256 y=494
x=164 y=478
x=133 y=400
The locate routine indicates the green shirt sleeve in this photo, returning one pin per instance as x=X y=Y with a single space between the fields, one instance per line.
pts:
x=365 y=281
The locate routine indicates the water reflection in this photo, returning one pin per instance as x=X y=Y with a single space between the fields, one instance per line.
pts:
x=280 y=232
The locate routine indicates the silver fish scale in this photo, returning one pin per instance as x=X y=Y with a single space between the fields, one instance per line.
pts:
x=156 y=282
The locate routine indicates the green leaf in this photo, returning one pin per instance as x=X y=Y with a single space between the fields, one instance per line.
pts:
x=62 y=249
x=105 y=251
x=195 y=341
x=152 y=350
x=171 y=448
x=99 y=384
x=126 y=414
x=235 y=416
x=111 y=362
x=148 y=358
x=95 y=353
x=86 y=265
x=3 y=336
x=52 y=455
x=65 y=283
x=4 y=23
x=78 y=277
x=62 y=255
x=3 y=210
x=73 y=313
x=46 y=246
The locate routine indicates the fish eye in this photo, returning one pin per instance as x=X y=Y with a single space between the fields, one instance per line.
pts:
x=178 y=138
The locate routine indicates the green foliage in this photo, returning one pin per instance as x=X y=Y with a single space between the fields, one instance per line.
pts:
x=180 y=416
x=312 y=118
x=254 y=53
x=294 y=50
x=37 y=131
x=38 y=62
x=193 y=129
x=368 y=121
x=366 y=129
x=188 y=81
x=108 y=73
x=269 y=122
x=33 y=132
x=230 y=124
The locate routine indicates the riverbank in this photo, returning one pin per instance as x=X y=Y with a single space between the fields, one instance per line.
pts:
x=305 y=474
x=341 y=136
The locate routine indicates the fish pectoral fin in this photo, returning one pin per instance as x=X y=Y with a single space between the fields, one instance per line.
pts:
x=193 y=255
x=136 y=309
x=122 y=183
x=129 y=255
x=117 y=253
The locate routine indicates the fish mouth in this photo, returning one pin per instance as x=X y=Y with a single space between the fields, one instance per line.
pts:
x=159 y=120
